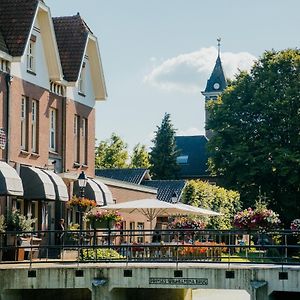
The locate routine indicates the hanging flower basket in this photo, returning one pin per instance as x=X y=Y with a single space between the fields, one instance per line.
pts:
x=295 y=225
x=102 y=218
x=187 y=223
x=256 y=219
x=81 y=203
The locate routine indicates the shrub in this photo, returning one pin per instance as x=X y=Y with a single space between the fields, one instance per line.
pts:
x=99 y=254
x=2 y=224
x=18 y=222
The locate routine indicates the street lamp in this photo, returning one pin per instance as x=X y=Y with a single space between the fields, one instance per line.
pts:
x=82 y=180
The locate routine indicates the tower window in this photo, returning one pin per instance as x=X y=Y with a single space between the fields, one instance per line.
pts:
x=182 y=160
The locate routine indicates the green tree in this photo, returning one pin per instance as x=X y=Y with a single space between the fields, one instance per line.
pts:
x=256 y=142
x=163 y=154
x=111 y=153
x=140 y=157
x=202 y=194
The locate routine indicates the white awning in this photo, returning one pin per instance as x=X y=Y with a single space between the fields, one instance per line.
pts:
x=91 y=191
x=10 y=181
x=59 y=186
x=37 y=184
x=108 y=198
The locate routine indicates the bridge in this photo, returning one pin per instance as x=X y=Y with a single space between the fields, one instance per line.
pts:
x=263 y=264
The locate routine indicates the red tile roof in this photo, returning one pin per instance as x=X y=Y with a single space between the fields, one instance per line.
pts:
x=15 y=23
x=71 y=35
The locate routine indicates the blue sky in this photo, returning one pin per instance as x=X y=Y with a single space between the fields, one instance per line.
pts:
x=158 y=54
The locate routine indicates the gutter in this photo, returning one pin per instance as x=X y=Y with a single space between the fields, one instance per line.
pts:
x=8 y=79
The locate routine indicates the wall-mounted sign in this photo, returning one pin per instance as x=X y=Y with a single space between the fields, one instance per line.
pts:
x=179 y=281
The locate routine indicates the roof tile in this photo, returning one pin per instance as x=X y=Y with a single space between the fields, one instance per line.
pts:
x=15 y=23
x=194 y=147
x=135 y=175
x=166 y=188
x=71 y=35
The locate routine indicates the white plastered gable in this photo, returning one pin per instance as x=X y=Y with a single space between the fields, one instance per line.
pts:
x=47 y=64
x=95 y=88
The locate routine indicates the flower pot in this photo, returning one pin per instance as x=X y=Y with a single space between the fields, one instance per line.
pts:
x=99 y=224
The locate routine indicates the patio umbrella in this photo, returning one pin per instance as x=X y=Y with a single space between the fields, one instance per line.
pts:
x=152 y=208
x=197 y=210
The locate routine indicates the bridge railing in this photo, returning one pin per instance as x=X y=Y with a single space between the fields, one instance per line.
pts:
x=157 y=246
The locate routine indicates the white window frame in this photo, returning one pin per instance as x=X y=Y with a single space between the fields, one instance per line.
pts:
x=76 y=138
x=31 y=55
x=24 y=123
x=34 y=129
x=140 y=234
x=85 y=140
x=81 y=83
x=52 y=134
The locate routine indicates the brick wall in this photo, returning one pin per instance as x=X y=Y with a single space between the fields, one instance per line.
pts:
x=75 y=108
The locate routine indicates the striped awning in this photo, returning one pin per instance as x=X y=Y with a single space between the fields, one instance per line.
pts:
x=10 y=181
x=91 y=191
x=37 y=184
x=61 y=190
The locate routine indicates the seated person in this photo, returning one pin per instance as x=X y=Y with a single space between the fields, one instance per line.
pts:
x=156 y=237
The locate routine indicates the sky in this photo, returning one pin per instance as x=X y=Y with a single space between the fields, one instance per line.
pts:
x=157 y=55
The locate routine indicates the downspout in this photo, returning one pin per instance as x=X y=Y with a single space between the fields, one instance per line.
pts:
x=8 y=80
x=63 y=136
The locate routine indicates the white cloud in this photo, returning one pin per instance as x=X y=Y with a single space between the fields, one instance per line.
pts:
x=189 y=72
x=190 y=131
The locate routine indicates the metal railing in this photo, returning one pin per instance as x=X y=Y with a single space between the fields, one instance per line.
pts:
x=183 y=245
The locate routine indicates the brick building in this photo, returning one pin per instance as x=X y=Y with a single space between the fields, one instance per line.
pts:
x=50 y=77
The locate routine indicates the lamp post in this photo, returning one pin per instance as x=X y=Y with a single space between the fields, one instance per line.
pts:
x=82 y=180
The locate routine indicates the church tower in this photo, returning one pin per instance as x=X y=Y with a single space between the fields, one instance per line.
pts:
x=216 y=84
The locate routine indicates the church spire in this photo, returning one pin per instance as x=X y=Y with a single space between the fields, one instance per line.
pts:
x=216 y=84
x=219 y=46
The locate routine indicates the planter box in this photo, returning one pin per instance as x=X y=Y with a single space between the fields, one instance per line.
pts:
x=69 y=255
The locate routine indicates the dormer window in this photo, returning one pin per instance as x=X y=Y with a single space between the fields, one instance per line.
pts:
x=182 y=160
x=31 y=55
x=81 y=84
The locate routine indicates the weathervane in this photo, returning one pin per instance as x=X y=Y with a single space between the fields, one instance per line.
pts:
x=219 y=45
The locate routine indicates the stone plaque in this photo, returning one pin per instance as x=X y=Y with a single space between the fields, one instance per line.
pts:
x=179 y=281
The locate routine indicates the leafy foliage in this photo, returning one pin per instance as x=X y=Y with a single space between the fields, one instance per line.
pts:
x=256 y=140
x=99 y=254
x=163 y=154
x=97 y=214
x=140 y=157
x=18 y=222
x=259 y=218
x=203 y=194
x=2 y=223
x=111 y=153
x=80 y=202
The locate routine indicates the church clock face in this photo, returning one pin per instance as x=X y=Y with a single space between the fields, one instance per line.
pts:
x=216 y=86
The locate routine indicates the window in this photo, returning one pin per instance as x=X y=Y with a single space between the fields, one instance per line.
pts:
x=85 y=141
x=34 y=128
x=31 y=54
x=81 y=84
x=52 y=141
x=132 y=228
x=140 y=238
x=182 y=160
x=76 y=139
x=24 y=134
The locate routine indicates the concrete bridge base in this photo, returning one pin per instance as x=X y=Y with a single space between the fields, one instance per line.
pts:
x=142 y=281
